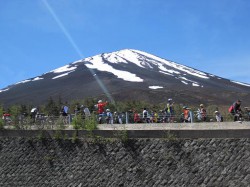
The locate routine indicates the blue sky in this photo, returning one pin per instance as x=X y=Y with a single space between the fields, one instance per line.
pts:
x=37 y=36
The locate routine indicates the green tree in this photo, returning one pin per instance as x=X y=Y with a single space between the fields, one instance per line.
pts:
x=15 y=111
x=51 y=108
x=90 y=103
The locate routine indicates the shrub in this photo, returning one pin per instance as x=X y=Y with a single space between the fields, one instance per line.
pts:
x=60 y=124
x=90 y=123
x=77 y=122
x=1 y=124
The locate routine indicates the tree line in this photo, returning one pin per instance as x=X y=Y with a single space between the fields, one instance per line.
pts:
x=53 y=106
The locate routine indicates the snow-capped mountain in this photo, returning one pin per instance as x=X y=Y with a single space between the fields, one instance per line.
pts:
x=126 y=75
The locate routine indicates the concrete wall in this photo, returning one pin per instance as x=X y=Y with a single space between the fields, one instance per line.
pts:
x=37 y=161
x=180 y=134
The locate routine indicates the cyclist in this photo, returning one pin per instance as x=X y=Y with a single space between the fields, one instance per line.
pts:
x=235 y=110
x=33 y=114
x=7 y=119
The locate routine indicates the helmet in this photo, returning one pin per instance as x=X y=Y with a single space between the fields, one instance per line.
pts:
x=108 y=110
x=170 y=99
x=201 y=105
x=99 y=101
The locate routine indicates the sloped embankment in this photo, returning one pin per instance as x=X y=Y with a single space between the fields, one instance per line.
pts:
x=135 y=162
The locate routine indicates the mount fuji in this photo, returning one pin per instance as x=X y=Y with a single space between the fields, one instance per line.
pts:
x=126 y=75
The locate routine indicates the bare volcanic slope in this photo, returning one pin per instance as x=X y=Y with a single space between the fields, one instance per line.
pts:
x=126 y=75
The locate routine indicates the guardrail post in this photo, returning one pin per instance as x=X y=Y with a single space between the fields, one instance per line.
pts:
x=70 y=116
x=126 y=117
x=191 y=116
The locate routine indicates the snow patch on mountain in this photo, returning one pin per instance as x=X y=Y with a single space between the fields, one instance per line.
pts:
x=29 y=80
x=211 y=75
x=166 y=73
x=103 y=62
x=143 y=60
x=37 y=79
x=155 y=87
x=113 y=58
x=195 y=84
x=124 y=56
x=243 y=84
x=24 y=81
x=4 y=90
x=179 y=67
x=64 y=69
x=184 y=82
x=97 y=62
x=62 y=75
x=164 y=69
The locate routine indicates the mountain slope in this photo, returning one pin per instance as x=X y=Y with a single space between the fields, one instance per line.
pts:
x=126 y=75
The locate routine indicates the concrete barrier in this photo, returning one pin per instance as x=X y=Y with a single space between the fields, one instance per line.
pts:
x=181 y=131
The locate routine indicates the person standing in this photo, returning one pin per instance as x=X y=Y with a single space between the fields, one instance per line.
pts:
x=146 y=117
x=203 y=112
x=170 y=111
x=155 y=117
x=186 y=115
x=65 y=110
x=137 y=118
x=120 y=115
x=117 y=117
x=86 y=112
x=100 y=106
x=64 y=113
x=109 y=117
x=218 y=116
x=100 y=109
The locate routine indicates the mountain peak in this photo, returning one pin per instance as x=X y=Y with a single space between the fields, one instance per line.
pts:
x=143 y=60
x=125 y=71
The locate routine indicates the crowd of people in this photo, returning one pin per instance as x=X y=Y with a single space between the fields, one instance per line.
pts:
x=107 y=115
x=167 y=115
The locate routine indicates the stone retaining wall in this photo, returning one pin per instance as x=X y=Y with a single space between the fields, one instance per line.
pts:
x=131 y=162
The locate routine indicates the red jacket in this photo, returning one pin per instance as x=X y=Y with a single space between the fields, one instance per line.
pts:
x=186 y=113
x=101 y=106
x=136 y=117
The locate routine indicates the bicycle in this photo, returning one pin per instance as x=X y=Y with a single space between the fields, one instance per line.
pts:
x=247 y=111
x=40 y=121
x=23 y=121
x=50 y=121
x=238 y=116
x=7 y=120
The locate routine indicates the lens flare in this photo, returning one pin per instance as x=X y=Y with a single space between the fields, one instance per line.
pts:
x=78 y=51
